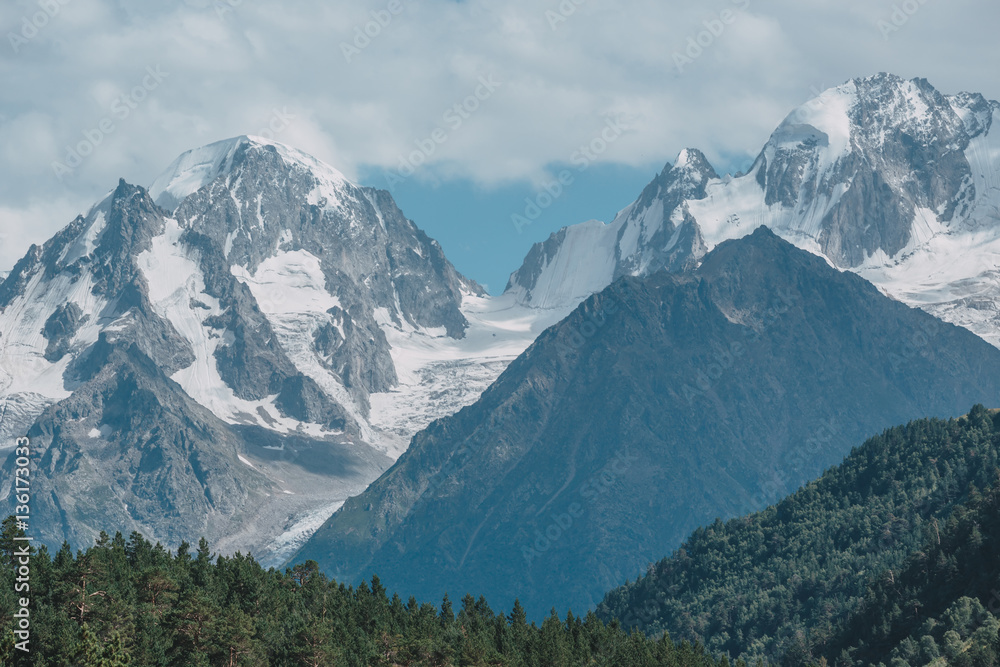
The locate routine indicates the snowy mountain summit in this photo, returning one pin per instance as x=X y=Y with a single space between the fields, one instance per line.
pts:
x=236 y=350
x=266 y=303
x=883 y=176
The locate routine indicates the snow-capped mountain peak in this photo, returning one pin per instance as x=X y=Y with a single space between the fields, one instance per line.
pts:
x=196 y=168
x=650 y=234
x=268 y=304
x=881 y=175
x=823 y=122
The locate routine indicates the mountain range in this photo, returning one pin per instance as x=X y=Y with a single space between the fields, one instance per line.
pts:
x=882 y=176
x=660 y=404
x=202 y=357
x=240 y=347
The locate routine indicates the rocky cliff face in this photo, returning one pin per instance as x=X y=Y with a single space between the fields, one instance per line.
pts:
x=650 y=235
x=271 y=212
x=200 y=358
x=871 y=157
x=659 y=404
x=882 y=176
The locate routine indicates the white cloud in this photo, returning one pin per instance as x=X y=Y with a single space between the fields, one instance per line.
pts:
x=232 y=63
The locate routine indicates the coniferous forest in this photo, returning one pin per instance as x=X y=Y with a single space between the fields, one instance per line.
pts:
x=891 y=558
x=128 y=602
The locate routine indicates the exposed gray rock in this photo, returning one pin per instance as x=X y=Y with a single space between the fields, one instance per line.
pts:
x=361 y=362
x=17 y=280
x=264 y=201
x=130 y=296
x=60 y=329
x=366 y=245
x=132 y=220
x=154 y=336
x=252 y=361
x=880 y=175
x=898 y=128
x=129 y=451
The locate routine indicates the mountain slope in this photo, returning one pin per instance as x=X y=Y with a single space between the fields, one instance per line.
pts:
x=796 y=574
x=883 y=176
x=944 y=601
x=105 y=325
x=658 y=405
x=270 y=307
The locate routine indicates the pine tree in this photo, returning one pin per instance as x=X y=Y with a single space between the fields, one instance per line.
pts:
x=9 y=542
x=447 y=613
x=91 y=651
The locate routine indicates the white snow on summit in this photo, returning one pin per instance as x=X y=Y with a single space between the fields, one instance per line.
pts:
x=197 y=168
x=28 y=381
x=823 y=119
x=563 y=281
x=951 y=268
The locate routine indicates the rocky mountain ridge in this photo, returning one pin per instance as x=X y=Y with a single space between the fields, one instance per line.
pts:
x=882 y=176
x=249 y=296
x=659 y=404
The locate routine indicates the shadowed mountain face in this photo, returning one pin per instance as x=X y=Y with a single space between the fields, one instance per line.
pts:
x=866 y=559
x=658 y=405
x=129 y=450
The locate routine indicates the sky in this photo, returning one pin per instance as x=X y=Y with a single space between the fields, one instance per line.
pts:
x=467 y=111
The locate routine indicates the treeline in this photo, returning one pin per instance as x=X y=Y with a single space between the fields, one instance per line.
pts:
x=128 y=602
x=890 y=558
x=857 y=568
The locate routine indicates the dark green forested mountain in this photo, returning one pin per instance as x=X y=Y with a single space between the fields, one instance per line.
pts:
x=942 y=607
x=131 y=603
x=658 y=405
x=890 y=557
